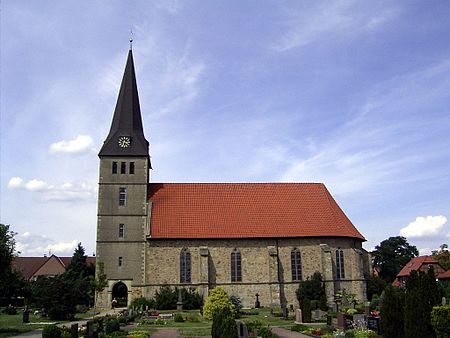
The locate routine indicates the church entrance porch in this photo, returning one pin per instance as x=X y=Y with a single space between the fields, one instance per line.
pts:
x=120 y=294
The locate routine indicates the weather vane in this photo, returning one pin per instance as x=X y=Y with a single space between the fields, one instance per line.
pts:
x=131 y=39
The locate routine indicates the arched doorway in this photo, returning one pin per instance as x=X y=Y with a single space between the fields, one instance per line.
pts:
x=120 y=293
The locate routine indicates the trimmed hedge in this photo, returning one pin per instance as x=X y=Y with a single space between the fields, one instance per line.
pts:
x=440 y=319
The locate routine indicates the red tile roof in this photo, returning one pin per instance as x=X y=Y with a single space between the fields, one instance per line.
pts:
x=415 y=264
x=444 y=275
x=28 y=266
x=246 y=210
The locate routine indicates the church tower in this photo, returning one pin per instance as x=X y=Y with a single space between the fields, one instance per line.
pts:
x=122 y=197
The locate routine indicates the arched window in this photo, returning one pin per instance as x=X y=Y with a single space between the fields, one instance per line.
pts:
x=296 y=265
x=185 y=266
x=340 y=272
x=236 y=267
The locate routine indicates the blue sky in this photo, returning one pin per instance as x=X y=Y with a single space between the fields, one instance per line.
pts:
x=353 y=94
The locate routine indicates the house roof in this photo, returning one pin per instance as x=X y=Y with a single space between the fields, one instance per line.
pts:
x=415 y=264
x=31 y=266
x=246 y=210
x=444 y=275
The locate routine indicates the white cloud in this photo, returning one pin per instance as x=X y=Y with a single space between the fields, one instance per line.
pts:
x=424 y=226
x=65 y=192
x=36 y=185
x=424 y=251
x=15 y=183
x=32 y=245
x=331 y=19
x=82 y=144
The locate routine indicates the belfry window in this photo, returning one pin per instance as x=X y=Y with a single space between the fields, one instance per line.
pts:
x=120 y=261
x=121 y=230
x=185 y=266
x=122 y=196
x=114 y=167
x=123 y=167
x=236 y=267
x=131 y=168
x=296 y=265
x=340 y=272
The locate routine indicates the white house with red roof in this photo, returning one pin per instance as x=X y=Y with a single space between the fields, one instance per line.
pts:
x=250 y=238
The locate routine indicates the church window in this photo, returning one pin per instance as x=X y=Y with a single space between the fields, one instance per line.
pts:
x=131 y=167
x=122 y=196
x=296 y=265
x=120 y=261
x=123 y=167
x=236 y=267
x=121 y=230
x=185 y=266
x=114 y=167
x=340 y=273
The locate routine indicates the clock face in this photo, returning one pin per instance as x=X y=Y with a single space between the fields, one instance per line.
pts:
x=124 y=141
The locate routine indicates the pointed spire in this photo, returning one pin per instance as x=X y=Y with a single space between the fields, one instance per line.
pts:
x=127 y=121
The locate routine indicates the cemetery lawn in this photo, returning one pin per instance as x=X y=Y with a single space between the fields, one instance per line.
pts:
x=11 y=325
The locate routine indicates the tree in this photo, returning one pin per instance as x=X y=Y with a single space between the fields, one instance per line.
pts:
x=11 y=281
x=442 y=256
x=7 y=249
x=375 y=286
x=422 y=293
x=392 y=312
x=78 y=274
x=391 y=255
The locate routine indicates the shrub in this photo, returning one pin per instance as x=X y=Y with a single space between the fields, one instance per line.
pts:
x=361 y=333
x=192 y=300
x=51 y=331
x=10 y=310
x=314 y=290
x=299 y=328
x=265 y=332
x=236 y=301
x=81 y=309
x=217 y=300
x=253 y=325
x=178 y=318
x=440 y=319
x=224 y=325
x=166 y=298
x=112 y=325
x=142 y=303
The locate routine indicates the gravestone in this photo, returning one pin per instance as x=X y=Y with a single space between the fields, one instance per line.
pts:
x=242 y=329
x=257 y=303
x=444 y=301
x=26 y=316
x=298 y=316
x=74 y=330
x=373 y=323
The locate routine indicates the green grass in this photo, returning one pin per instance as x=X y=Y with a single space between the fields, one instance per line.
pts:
x=11 y=325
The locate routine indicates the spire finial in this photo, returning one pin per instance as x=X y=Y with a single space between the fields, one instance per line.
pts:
x=131 y=39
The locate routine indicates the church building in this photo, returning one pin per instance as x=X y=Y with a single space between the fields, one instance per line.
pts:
x=250 y=238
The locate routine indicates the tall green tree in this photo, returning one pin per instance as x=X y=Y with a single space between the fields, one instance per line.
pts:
x=422 y=293
x=313 y=289
x=391 y=255
x=11 y=281
x=392 y=312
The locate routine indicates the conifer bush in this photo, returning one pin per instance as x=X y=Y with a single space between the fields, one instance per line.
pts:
x=392 y=312
x=224 y=325
x=217 y=300
x=51 y=331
